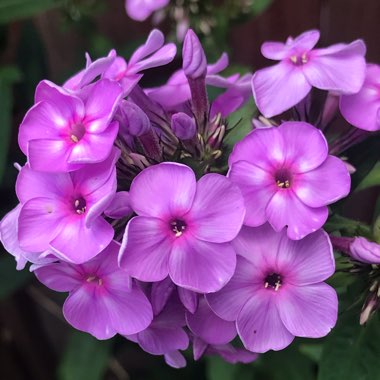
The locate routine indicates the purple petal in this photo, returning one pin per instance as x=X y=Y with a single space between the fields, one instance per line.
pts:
x=337 y=68
x=199 y=347
x=212 y=329
x=305 y=146
x=260 y=326
x=278 y=88
x=92 y=70
x=161 y=57
x=93 y=148
x=189 y=299
x=42 y=121
x=145 y=249
x=129 y=311
x=40 y=221
x=306 y=261
x=101 y=105
x=275 y=50
x=219 y=65
x=161 y=292
x=61 y=277
x=228 y=302
x=120 y=206
x=9 y=236
x=305 y=41
x=31 y=184
x=324 y=185
x=94 y=178
x=262 y=147
x=175 y=359
x=75 y=234
x=84 y=309
x=309 y=311
x=201 y=266
x=257 y=187
x=66 y=106
x=140 y=10
x=155 y=41
x=234 y=355
x=164 y=190
x=218 y=210
x=162 y=340
x=50 y=155
x=286 y=209
x=361 y=109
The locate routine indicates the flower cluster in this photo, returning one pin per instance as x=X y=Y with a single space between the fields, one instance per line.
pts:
x=131 y=201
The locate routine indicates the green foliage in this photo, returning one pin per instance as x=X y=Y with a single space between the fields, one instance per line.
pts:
x=8 y=75
x=372 y=178
x=85 y=358
x=351 y=351
x=12 y=10
x=10 y=278
x=218 y=369
x=259 y=6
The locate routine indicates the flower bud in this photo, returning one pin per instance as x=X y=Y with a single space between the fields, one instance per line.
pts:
x=365 y=251
x=194 y=59
x=132 y=119
x=183 y=126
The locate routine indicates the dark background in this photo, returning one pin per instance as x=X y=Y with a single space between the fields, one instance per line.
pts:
x=35 y=341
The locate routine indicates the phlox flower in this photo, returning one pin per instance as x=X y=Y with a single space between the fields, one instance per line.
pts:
x=339 y=68
x=61 y=212
x=153 y=53
x=140 y=10
x=183 y=228
x=102 y=299
x=363 y=108
x=277 y=291
x=166 y=334
x=287 y=177
x=62 y=132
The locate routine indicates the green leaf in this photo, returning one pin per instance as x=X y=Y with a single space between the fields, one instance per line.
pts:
x=10 y=278
x=8 y=75
x=218 y=369
x=351 y=351
x=85 y=358
x=259 y=6
x=289 y=363
x=11 y=10
x=372 y=178
x=240 y=124
x=347 y=226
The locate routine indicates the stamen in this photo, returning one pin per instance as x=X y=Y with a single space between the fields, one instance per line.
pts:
x=304 y=58
x=80 y=206
x=95 y=279
x=273 y=281
x=74 y=138
x=178 y=227
x=294 y=58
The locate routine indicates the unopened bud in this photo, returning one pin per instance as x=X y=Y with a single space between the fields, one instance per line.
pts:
x=183 y=126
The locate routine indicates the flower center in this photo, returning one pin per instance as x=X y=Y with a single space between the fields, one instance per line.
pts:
x=273 y=280
x=178 y=227
x=94 y=279
x=299 y=60
x=283 y=178
x=80 y=205
x=77 y=132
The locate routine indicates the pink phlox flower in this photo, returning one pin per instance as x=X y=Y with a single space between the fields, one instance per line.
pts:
x=339 y=68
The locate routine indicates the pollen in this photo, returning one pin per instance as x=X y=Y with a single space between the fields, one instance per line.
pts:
x=304 y=58
x=74 y=138
x=178 y=227
x=283 y=185
x=294 y=58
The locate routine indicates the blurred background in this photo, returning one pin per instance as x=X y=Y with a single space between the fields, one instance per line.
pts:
x=47 y=39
